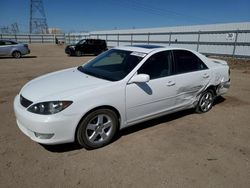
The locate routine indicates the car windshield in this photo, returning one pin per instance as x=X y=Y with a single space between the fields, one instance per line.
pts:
x=81 y=41
x=112 y=65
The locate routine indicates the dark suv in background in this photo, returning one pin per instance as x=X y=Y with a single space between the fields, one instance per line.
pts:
x=87 y=46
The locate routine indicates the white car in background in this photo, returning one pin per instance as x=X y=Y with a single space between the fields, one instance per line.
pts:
x=119 y=88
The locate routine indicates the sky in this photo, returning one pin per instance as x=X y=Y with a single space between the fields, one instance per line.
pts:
x=93 y=15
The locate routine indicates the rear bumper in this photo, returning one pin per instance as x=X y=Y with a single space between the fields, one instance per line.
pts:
x=223 y=87
x=25 y=51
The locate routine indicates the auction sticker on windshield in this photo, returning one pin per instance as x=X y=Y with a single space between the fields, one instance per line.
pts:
x=140 y=54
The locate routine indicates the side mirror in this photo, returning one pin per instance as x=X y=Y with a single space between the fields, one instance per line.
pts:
x=139 y=78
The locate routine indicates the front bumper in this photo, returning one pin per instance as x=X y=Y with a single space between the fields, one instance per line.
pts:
x=69 y=51
x=59 y=128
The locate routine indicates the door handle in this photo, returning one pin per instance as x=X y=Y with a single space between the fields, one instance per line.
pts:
x=205 y=76
x=170 y=83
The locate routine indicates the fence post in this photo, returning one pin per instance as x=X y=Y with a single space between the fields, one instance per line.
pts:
x=148 y=37
x=131 y=39
x=42 y=38
x=54 y=39
x=15 y=37
x=235 y=42
x=198 y=42
x=29 y=39
x=1 y=36
x=169 y=43
x=118 y=38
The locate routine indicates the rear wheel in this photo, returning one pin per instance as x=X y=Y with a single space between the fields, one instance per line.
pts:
x=16 y=54
x=206 y=101
x=97 y=129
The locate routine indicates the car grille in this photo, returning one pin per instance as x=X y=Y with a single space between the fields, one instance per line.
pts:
x=25 y=102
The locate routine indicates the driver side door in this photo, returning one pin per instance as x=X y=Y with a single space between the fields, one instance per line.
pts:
x=145 y=100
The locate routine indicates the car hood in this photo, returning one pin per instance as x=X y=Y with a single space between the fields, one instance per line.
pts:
x=61 y=84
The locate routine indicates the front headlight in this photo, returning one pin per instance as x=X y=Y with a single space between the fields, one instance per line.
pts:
x=51 y=107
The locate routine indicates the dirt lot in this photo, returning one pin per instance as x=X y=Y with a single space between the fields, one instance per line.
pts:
x=180 y=150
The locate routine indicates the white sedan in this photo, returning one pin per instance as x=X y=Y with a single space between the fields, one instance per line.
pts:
x=119 y=88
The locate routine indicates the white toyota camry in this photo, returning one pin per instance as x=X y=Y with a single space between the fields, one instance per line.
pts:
x=119 y=88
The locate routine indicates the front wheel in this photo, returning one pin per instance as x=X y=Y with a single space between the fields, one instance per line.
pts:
x=205 y=102
x=97 y=129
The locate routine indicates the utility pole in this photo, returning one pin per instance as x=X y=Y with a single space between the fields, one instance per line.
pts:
x=38 y=23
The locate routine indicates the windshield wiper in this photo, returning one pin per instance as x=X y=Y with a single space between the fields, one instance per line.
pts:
x=81 y=69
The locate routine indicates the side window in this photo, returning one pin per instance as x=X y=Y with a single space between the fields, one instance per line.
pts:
x=2 y=43
x=157 y=66
x=186 y=61
x=90 y=42
x=8 y=43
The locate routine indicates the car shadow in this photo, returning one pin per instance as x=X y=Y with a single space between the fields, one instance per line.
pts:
x=154 y=122
x=160 y=120
x=23 y=57
x=61 y=148
x=219 y=100
x=84 y=55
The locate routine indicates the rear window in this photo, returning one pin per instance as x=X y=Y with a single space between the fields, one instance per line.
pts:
x=186 y=61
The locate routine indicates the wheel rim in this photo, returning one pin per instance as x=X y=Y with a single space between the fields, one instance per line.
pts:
x=17 y=54
x=206 y=102
x=99 y=128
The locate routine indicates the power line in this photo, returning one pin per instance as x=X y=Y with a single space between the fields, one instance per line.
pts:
x=151 y=9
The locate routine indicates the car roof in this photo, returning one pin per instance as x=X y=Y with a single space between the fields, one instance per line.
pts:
x=94 y=39
x=5 y=40
x=146 y=48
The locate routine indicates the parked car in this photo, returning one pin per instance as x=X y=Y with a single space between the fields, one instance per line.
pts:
x=119 y=88
x=86 y=46
x=14 y=49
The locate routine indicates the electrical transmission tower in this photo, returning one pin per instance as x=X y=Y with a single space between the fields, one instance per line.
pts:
x=14 y=28
x=38 y=22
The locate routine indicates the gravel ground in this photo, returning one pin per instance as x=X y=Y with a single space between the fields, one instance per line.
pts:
x=179 y=150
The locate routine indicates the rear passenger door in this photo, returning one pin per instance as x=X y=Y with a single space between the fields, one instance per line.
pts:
x=191 y=77
x=89 y=47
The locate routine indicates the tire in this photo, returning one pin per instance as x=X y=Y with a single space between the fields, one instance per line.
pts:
x=69 y=54
x=97 y=129
x=16 y=54
x=205 y=102
x=78 y=53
